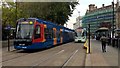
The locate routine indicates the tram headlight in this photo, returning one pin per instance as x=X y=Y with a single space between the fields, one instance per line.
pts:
x=21 y=44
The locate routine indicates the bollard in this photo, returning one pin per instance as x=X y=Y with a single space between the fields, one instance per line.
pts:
x=8 y=42
x=119 y=43
x=113 y=42
x=117 y=40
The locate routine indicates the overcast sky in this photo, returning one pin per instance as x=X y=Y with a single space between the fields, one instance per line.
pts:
x=83 y=6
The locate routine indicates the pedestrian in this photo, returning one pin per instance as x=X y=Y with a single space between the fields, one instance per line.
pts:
x=103 y=41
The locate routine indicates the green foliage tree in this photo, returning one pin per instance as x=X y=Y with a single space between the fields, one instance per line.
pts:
x=57 y=12
x=8 y=14
x=8 y=17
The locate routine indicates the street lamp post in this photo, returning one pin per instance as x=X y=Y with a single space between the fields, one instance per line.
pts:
x=79 y=18
x=113 y=20
x=89 y=38
x=113 y=24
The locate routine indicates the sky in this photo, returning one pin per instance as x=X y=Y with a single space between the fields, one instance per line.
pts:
x=83 y=6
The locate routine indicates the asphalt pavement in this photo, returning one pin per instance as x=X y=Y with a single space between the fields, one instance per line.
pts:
x=70 y=54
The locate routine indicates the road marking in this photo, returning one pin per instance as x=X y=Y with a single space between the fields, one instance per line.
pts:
x=69 y=59
x=47 y=58
x=60 y=51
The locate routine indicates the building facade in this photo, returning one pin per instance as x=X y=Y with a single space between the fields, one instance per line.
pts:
x=99 y=17
x=118 y=17
x=78 y=23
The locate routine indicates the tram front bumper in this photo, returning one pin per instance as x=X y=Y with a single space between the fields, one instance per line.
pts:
x=33 y=46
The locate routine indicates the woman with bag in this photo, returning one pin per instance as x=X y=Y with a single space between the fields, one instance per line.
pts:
x=103 y=41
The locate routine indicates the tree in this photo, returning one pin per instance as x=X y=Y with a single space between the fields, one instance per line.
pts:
x=9 y=15
x=57 y=12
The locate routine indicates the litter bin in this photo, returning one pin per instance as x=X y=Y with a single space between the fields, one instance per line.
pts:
x=116 y=42
x=113 y=42
x=109 y=41
x=119 y=43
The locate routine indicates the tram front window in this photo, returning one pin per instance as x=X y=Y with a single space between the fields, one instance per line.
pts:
x=79 y=34
x=24 y=30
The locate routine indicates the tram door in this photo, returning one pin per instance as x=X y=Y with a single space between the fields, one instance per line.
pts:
x=38 y=33
x=54 y=36
x=61 y=38
x=48 y=34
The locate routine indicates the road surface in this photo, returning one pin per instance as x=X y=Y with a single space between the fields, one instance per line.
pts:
x=70 y=54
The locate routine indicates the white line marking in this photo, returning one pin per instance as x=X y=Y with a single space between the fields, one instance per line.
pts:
x=47 y=58
x=70 y=58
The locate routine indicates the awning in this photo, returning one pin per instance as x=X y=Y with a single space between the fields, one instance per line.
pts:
x=117 y=30
x=102 y=29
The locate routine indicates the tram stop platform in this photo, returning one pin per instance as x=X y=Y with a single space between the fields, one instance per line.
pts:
x=98 y=58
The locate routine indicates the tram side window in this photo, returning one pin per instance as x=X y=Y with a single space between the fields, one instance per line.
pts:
x=51 y=33
x=58 y=34
x=37 y=32
x=66 y=34
x=48 y=33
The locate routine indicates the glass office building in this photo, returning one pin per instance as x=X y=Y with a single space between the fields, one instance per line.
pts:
x=99 y=17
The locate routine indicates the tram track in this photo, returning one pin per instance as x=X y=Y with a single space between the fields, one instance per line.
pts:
x=37 y=54
x=42 y=60
x=46 y=58
x=14 y=56
x=64 y=63
x=19 y=53
x=9 y=53
x=69 y=58
x=60 y=56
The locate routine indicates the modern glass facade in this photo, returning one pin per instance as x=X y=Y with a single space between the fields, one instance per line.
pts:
x=98 y=16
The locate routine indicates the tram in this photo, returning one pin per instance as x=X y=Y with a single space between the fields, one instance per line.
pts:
x=80 y=35
x=34 y=33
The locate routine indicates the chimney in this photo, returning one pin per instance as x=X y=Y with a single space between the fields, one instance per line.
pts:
x=91 y=7
x=117 y=4
x=96 y=7
x=103 y=5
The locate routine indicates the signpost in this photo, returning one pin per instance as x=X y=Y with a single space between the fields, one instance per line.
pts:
x=8 y=28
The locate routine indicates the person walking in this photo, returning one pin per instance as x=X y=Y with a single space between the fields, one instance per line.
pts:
x=103 y=41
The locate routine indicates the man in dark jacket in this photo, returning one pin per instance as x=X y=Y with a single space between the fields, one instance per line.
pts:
x=103 y=41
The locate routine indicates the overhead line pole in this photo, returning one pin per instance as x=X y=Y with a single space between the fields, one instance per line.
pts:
x=89 y=38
